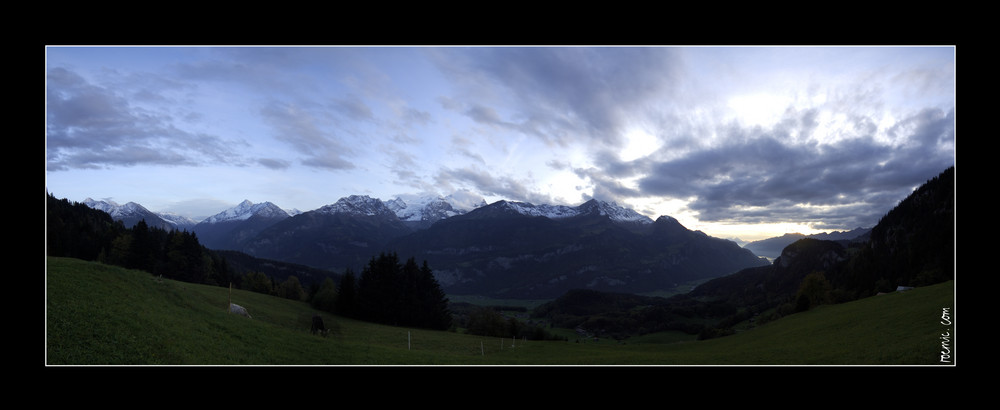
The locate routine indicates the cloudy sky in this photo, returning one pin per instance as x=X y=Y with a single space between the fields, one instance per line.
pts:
x=739 y=142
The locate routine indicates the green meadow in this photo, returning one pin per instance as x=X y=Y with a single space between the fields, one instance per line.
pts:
x=108 y=316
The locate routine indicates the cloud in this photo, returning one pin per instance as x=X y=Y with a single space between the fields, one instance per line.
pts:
x=273 y=163
x=487 y=184
x=309 y=133
x=561 y=94
x=353 y=108
x=89 y=126
x=758 y=175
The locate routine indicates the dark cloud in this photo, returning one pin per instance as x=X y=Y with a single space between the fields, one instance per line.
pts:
x=90 y=126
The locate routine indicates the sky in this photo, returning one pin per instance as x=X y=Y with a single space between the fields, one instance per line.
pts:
x=741 y=142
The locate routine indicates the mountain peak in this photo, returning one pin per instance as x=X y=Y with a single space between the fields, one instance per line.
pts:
x=245 y=210
x=427 y=208
x=614 y=211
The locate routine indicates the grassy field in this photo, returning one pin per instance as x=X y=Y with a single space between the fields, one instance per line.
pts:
x=104 y=315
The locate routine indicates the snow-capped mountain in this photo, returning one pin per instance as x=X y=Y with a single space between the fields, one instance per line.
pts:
x=247 y=209
x=231 y=228
x=614 y=211
x=422 y=211
x=358 y=205
x=130 y=213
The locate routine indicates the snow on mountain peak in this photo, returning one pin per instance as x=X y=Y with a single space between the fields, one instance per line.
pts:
x=245 y=210
x=415 y=208
x=115 y=210
x=549 y=211
x=611 y=210
x=619 y=213
x=358 y=205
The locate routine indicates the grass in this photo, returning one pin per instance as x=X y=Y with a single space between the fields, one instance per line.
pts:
x=108 y=316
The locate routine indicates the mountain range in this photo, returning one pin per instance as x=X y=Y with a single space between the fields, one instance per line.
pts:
x=508 y=248
x=771 y=247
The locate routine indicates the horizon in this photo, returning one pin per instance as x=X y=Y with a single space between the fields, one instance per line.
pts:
x=738 y=142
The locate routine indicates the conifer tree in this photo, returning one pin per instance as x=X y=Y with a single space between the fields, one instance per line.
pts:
x=347 y=297
x=434 y=303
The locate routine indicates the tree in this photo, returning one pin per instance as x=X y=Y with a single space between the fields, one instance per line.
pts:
x=257 y=282
x=814 y=291
x=141 y=248
x=348 y=298
x=379 y=293
x=291 y=288
x=433 y=302
x=401 y=294
x=325 y=298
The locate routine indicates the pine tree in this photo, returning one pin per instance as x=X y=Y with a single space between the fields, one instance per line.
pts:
x=347 y=297
x=434 y=302
x=378 y=291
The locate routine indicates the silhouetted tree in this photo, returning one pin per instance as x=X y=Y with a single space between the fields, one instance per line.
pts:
x=433 y=302
x=401 y=294
x=347 y=298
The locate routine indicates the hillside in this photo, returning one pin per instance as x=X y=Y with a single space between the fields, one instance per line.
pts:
x=103 y=315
